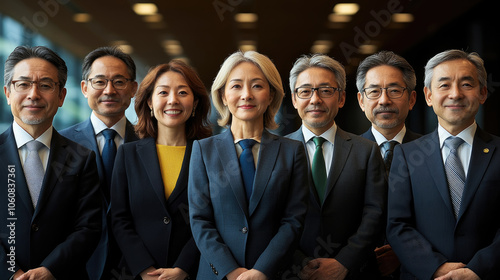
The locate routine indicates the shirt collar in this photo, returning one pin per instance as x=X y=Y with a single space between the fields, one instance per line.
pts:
x=381 y=138
x=99 y=126
x=22 y=137
x=467 y=134
x=328 y=135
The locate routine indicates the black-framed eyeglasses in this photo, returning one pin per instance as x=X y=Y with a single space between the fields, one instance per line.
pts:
x=323 y=92
x=102 y=83
x=393 y=92
x=44 y=86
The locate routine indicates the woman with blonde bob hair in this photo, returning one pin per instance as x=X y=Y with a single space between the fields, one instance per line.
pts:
x=149 y=186
x=247 y=187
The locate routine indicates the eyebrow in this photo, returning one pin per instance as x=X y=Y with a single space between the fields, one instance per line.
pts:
x=389 y=85
x=167 y=86
x=241 y=80
x=104 y=76
x=320 y=85
x=464 y=78
x=24 y=78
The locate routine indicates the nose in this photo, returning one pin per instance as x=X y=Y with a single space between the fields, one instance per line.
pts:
x=246 y=93
x=34 y=92
x=384 y=98
x=455 y=92
x=109 y=89
x=172 y=98
x=315 y=98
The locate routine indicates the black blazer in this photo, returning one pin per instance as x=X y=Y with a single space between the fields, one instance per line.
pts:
x=150 y=230
x=350 y=222
x=63 y=230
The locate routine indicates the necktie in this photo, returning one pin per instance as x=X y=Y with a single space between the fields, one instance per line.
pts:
x=319 y=168
x=33 y=170
x=454 y=172
x=389 y=153
x=247 y=165
x=108 y=155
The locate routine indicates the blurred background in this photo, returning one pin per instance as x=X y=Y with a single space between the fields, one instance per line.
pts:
x=205 y=32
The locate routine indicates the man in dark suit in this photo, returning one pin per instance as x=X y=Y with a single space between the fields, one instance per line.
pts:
x=108 y=83
x=386 y=93
x=444 y=187
x=348 y=195
x=53 y=210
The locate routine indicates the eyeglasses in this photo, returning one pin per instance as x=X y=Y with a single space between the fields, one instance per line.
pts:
x=102 y=83
x=393 y=92
x=23 y=86
x=323 y=92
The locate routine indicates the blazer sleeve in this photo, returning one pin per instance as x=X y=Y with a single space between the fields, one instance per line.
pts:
x=201 y=215
x=282 y=246
x=362 y=243
x=413 y=249
x=134 y=251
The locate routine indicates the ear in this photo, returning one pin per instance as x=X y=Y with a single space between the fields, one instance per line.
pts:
x=7 y=94
x=342 y=99
x=134 y=88
x=483 y=95
x=84 y=87
x=62 y=96
x=360 y=101
x=413 y=99
x=195 y=103
x=428 y=95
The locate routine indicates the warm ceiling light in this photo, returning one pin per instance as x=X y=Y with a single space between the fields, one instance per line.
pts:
x=367 y=49
x=248 y=45
x=402 y=17
x=144 y=9
x=347 y=9
x=246 y=17
x=339 y=18
x=321 y=46
x=82 y=17
x=153 y=18
x=128 y=49
x=172 y=47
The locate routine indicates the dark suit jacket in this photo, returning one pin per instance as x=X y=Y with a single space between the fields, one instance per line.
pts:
x=350 y=222
x=151 y=230
x=232 y=233
x=63 y=230
x=409 y=135
x=422 y=228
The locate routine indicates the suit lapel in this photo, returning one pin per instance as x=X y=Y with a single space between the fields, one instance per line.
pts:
x=369 y=135
x=130 y=135
x=299 y=136
x=182 y=180
x=86 y=132
x=269 y=147
x=342 y=148
x=149 y=159
x=481 y=155
x=229 y=159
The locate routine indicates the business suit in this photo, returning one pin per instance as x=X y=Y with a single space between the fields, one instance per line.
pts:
x=232 y=233
x=151 y=230
x=63 y=230
x=409 y=136
x=422 y=228
x=348 y=224
x=107 y=255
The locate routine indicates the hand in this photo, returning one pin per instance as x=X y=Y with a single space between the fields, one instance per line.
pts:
x=459 y=274
x=252 y=274
x=145 y=274
x=233 y=275
x=447 y=267
x=387 y=260
x=169 y=273
x=40 y=273
x=322 y=269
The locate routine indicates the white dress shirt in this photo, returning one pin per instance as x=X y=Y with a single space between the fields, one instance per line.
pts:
x=328 y=145
x=465 y=150
x=22 y=137
x=99 y=126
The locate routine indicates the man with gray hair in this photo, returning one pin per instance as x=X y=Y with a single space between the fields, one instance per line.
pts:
x=348 y=186
x=444 y=187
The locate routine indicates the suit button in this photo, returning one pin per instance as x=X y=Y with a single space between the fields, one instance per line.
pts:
x=34 y=227
x=214 y=270
x=244 y=230
x=166 y=220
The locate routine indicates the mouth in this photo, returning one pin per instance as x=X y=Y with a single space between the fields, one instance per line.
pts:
x=246 y=106
x=172 y=112
x=455 y=106
x=33 y=107
x=109 y=101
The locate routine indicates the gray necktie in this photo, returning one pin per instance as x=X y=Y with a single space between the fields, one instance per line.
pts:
x=33 y=170
x=454 y=172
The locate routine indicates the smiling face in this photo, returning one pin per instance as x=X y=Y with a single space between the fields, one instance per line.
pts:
x=247 y=94
x=34 y=110
x=109 y=104
x=455 y=94
x=318 y=114
x=387 y=115
x=172 y=102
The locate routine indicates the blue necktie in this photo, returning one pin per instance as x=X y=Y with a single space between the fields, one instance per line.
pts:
x=108 y=156
x=247 y=165
x=389 y=153
x=454 y=172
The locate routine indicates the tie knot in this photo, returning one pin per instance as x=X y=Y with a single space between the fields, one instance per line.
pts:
x=453 y=142
x=109 y=134
x=34 y=146
x=389 y=145
x=247 y=143
x=318 y=141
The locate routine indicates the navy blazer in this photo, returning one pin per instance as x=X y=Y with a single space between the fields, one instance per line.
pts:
x=422 y=228
x=63 y=230
x=409 y=135
x=151 y=230
x=232 y=233
x=350 y=221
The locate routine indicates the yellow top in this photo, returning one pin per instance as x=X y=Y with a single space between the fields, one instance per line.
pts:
x=170 y=158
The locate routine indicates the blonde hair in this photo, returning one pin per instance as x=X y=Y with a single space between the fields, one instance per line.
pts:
x=270 y=72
